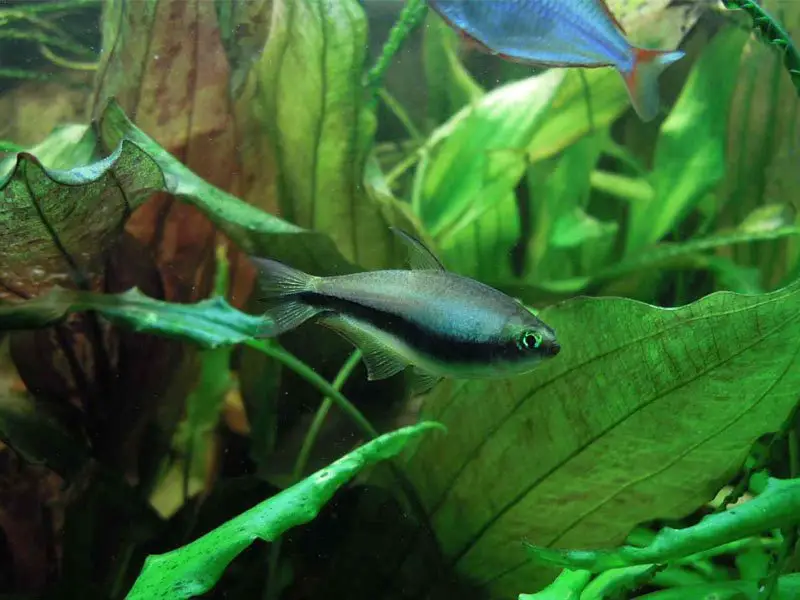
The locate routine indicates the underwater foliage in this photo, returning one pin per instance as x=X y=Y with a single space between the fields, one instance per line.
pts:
x=158 y=441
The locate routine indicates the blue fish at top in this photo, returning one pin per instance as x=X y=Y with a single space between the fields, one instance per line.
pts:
x=561 y=33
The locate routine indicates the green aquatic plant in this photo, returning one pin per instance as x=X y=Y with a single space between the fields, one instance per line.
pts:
x=773 y=34
x=193 y=569
x=648 y=419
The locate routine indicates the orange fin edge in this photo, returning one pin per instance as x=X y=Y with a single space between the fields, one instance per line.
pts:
x=642 y=80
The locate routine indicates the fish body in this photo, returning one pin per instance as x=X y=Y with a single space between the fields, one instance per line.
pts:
x=441 y=323
x=561 y=33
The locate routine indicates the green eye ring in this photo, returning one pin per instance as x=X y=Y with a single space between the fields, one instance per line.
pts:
x=530 y=340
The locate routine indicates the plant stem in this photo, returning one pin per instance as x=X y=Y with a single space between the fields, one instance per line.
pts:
x=307 y=373
x=411 y=17
x=399 y=111
x=271 y=591
x=400 y=168
x=66 y=63
x=319 y=419
x=773 y=34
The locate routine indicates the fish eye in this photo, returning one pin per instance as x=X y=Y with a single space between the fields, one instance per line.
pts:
x=530 y=340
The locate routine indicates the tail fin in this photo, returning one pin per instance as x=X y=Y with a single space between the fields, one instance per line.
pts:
x=278 y=279
x=642 y=79
x=280 y=285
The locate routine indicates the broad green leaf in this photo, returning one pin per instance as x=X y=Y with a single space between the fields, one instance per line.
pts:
x=587 y=101
x=567 y=586
x=450 y=86
x=312 y=101
x=553 y=452
x=195 y=568
x=690 y=152
x=484 y=248
x=210 y=323
x=561 y=222
x=776 y=507
x=479 y=155
x=251 y=229
x=57 y=226
x=788 y=589
x=66 y=147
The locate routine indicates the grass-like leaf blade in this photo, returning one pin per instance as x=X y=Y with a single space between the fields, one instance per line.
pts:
x=195 y=568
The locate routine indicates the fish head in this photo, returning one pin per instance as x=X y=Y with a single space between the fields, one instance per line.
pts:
x=528 y=341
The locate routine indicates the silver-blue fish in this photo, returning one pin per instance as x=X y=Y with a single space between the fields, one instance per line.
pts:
x=561 y=33
x=440 y=323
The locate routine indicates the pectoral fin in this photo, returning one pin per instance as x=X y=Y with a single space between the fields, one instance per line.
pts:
x=419 y=256
x=381 y=360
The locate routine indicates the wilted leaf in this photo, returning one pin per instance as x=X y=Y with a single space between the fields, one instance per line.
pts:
x=209 y=323
x=690 y=152
x=553 y=452
x=658 y=23
x=166 y=64
x=195 y=568
x=313 y=103
x=32 y=109
x=251 y=229
x=776 y=507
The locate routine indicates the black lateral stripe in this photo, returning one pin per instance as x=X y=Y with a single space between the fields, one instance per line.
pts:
x=430 y=343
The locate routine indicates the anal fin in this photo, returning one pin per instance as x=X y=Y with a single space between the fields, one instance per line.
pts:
x=380 y=359
x=288 y=315
x=422 y=382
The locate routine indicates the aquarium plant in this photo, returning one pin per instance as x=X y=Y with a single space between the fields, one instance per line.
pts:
x=164 y=436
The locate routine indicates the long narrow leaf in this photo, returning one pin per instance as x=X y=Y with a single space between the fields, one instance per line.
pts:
x=195 y=568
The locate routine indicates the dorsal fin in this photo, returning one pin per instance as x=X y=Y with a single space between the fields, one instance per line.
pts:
x=419 y=257
x=611 y=15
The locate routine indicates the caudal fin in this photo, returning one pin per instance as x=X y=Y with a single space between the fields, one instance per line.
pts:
x=282 y=285
x=277 y=279
x=642 y=79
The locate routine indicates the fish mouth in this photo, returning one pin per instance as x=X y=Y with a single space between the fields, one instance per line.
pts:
x=552 y=349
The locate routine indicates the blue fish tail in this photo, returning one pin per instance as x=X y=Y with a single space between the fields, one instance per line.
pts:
x=642 y=79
